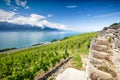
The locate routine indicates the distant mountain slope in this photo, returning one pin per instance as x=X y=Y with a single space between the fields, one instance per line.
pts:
x=5 y=26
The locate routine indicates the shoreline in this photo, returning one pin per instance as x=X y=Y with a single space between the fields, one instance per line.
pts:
x=14 y=49
x=23 y=48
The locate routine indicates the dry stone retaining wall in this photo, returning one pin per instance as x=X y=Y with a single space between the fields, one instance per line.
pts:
x=104 y=56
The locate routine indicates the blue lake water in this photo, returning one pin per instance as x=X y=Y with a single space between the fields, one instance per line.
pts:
x=25 y=39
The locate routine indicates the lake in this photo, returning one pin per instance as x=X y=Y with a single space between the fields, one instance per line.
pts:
x=26 y=39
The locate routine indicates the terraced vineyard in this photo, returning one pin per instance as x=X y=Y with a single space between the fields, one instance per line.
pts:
x=25 y=64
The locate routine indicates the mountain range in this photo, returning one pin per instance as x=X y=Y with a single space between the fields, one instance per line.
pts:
x=6 y=26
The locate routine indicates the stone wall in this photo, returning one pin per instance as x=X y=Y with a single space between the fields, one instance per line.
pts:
x=116 y=51
x=104 y=56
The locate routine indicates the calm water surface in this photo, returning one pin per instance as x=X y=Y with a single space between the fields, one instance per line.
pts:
x=25 y=39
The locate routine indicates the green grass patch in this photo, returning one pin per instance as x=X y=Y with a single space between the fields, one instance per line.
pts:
x=77 y=61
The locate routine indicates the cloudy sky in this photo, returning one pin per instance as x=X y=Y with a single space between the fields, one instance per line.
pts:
x=78 y=15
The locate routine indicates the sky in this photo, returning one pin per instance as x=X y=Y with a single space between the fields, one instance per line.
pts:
x=76 y=15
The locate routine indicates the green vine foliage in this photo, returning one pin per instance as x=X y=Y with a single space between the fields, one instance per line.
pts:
x=25 y=64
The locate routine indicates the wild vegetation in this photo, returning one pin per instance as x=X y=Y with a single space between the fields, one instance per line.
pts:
x=25 y=64
x=113 y=26
x=116 y=24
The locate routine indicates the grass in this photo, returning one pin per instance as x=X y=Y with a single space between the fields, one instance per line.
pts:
x=109 y=39
x=77 y=61
x=25 y=64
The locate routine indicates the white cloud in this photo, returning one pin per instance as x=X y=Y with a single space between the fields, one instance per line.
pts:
x=53 y=25
x=8 y=2
x=71 y=6
x=4 y=15
x=22 y=3
x=108 y=15
x=14 y=9
x=32 y=19
x=18 y=2
x=36 y=17
x=50 y=15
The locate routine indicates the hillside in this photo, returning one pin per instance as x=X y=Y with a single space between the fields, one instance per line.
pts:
x=27 y=63
x=104 y=58
x=45 y=62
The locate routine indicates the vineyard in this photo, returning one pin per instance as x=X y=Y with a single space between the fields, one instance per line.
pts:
x=25 y=64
